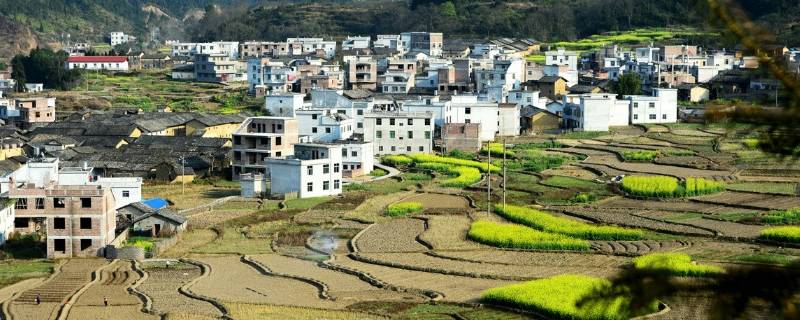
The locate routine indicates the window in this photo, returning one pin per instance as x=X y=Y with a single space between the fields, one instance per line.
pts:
x=310 y=170
x=391 y=134
x=310 y=186
x=421 y=148
x=326 y=185
x=411 y=134
x=22 y=203
x=326 y=168
x=393 y=148
x=652 y=104
x=410 y=122
x=635 y=104
x=314 y=116
x=86 y=202
x=378 y=121
x=344 y=152
x=467 y=121
x=635 y=117
x=468 y=110
x=39 y=203
x=652 y=117
x=335 y=167
x=86 y=223
x=664 y=116
x=60 y=245
x=427 y=122
x=360 y=112
x=277 y=141
x=335 y=184
x=360 y=125
x=427 y=134
x=327 y=130
x=378 y=134
x=313 y=129
x=278 y=154
x=408 y=148
x=59 y=223
x=391 y=121
x=264 y=141
x=380 y=148
x=354 y=153
x=86 y=244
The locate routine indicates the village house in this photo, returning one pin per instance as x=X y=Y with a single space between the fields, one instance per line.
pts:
x=116 y=38
x=258 y=49
x=428 y=43
x=260 y=138
x=313 y=171
x=218 y=67
x=269 y=76
x=324 y=125
x=35 y=110
x=461 y=136
x=534 y=121
x=362 y=73
x=156 y=61
x=399 y=132
x=151 y=222
x=227 y=48
x=357 y=157
x=108 y=63
x=553 y=87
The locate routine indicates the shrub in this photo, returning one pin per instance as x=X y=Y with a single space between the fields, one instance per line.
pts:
x=791 y=216
x=423 y=158
x=640 y=155
x=539 y=164
x=540 y=145
x=558 y=297
x=584 y=197
x=461 y=155
x=378 y=172
x=678 y=264
x=750 y=143
x=354 y=187
x=549 y=223
x=416 y=176
x=396 y=160
x=403 y=208
x=497 y=150
x=782 y=234
x=520 y=237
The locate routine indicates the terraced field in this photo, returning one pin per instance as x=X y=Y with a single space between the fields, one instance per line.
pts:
x=448 y=232
x=162 y=286
x=398 y=235
x=112 y=284
x=234 y=281
x=748 y=200
x=73 y=275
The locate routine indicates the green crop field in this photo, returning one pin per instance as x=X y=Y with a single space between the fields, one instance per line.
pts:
x=678 y=264
x=558 y=297
x=782 y=234
x=403 y=208
x=669 y=187
x=546 y=222
x=521 y=237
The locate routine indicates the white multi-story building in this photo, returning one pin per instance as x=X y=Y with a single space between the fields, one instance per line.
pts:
x=271 y=76
x=595 y=112
x=324 y=125
x=125 y=190
x=229 y=48
x=506 y=73
x=661 y=107
x=399 y=132
x=315 y=170
x=396 y=82
x=357 y=157
x=561 y=57
x=467 y=109
x=259 y=138
x=352 y=43
x=390 y=41
x=218 y=67
x=428 y=43
x=109 y=63
x=283 y=104
x=116 y=38
x=302 y=46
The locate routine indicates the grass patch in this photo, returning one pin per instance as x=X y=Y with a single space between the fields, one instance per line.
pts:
x=273 y=312
x=423 y=158
x=540 y=145
x=521 y=237
x=583 y=134
x=416 y=176
x=403 y=208
x=791 y=216
x=378 y=172
x=782 y=234
x=558 y=297
x=546 y=222
x=765 y=187
x=640 y=155
x=497 y=150
x=13 y=271
x=396 y=160
x=234 y=241
x=572 y=183
x=678 y=264
x=766 y=258
x=305 y=203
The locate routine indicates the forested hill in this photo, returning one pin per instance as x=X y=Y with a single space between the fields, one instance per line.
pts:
x=204 y=20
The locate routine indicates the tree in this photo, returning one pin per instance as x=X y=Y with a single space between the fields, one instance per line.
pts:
x=448 y=9
x=628 y=84
x=18 y=72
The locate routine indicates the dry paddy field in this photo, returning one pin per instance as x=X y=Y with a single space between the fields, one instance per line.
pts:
x=448 y=232
x=342 y=287
x=751 y=200
x=231 y=280
x=437 y=200
x=112 y=284
x=632 y=218
x=396 y=235
x=162 y=286
x=454 y=288
x=73 y=275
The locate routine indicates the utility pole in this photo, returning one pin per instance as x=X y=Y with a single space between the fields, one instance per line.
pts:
x=183 y=174
x=504 y=172
x=489 y=179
